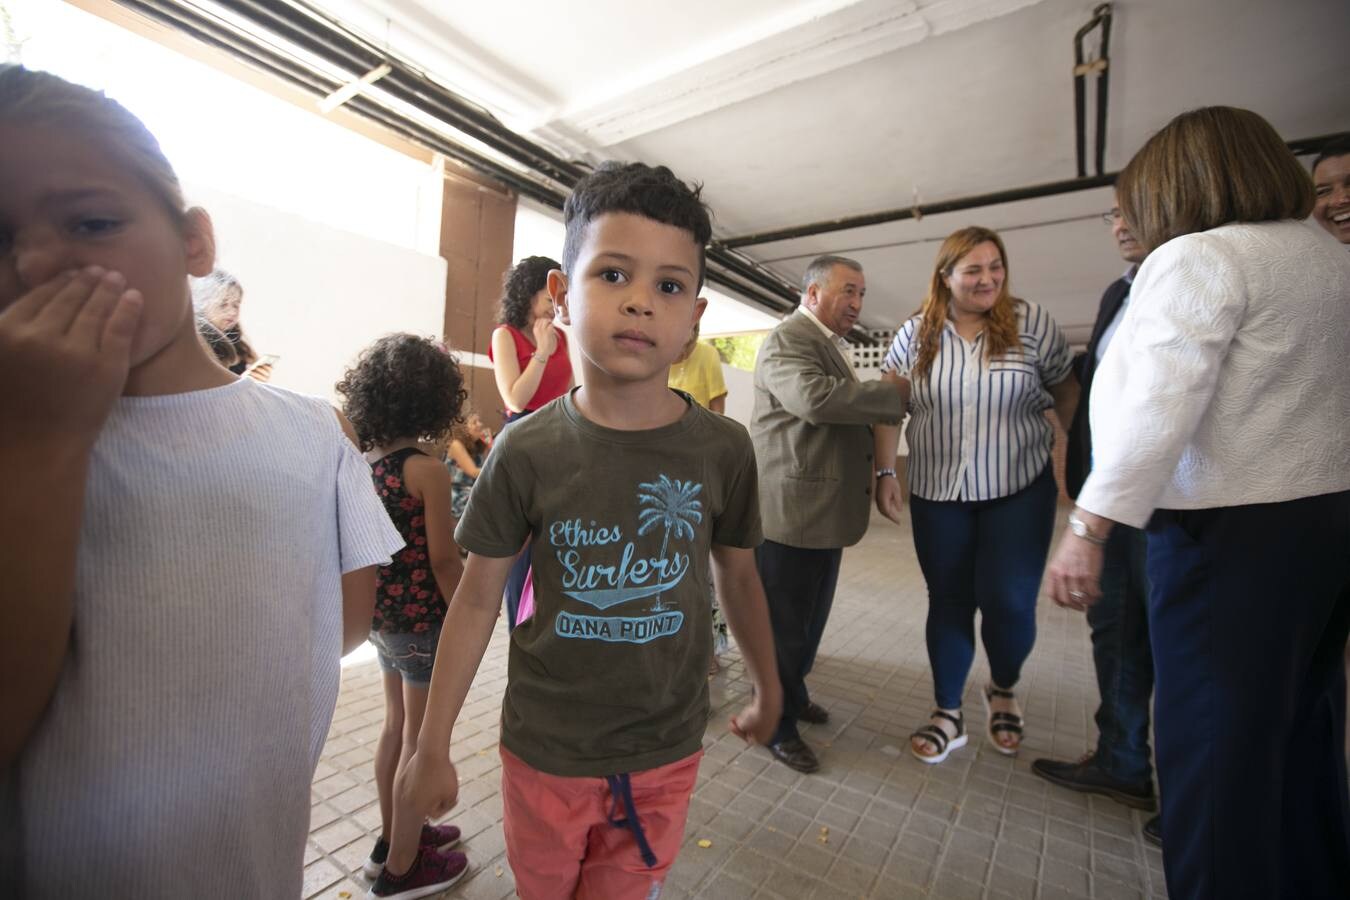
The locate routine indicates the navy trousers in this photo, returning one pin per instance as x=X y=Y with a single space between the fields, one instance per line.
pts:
x=799 y=584
x=1249 y=613
x=1122 y=657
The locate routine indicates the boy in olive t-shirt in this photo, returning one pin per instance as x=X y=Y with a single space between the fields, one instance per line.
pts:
x=632 y=492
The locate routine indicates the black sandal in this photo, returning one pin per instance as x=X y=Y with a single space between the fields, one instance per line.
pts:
x=1001 y=722
x=944 y=742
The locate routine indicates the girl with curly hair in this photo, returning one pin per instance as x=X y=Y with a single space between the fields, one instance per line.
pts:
x=402 y=391
x=529 y=355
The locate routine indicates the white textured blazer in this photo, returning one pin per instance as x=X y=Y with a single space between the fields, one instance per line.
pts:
x=1228 y=382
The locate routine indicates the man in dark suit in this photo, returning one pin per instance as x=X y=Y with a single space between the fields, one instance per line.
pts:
x=812 y=431
x=1120 y=767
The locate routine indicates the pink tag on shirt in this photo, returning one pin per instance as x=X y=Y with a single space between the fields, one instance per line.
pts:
x=526 y=607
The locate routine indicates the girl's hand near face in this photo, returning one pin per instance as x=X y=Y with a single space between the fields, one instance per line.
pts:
x=68 y=344
x=545 y=336
x=65 y=351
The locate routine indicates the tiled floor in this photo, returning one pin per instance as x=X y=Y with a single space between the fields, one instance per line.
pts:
x=873 y=823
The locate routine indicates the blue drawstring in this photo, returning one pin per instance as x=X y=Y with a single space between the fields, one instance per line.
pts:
x=621 y=789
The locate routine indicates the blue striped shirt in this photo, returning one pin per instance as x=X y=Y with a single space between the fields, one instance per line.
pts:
x=977 y=428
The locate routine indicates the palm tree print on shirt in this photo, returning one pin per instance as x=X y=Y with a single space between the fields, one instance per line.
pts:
x=670 y=503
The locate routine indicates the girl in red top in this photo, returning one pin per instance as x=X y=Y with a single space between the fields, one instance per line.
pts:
x=529 y=355
x=529 y=358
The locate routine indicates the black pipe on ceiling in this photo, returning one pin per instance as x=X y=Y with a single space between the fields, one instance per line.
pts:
x=296 y=23
x=1048 y=189
x=771 y=303
x=764 y=278
x=326 y=38
x=1299 y=147
x=1101 y=16
x=206 y=31
x=1311 y=146
x=1103 y=80
x=258 y=56
x=329 y=40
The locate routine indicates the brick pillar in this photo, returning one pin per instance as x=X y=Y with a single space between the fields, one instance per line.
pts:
x=478 y=224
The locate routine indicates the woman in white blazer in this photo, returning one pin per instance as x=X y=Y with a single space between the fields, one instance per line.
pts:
x=1221 y=420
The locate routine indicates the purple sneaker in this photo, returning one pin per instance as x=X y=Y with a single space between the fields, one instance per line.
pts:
x=431 y=873
x=437 y=837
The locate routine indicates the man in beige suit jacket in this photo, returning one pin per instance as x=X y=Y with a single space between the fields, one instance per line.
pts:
x=812 y=430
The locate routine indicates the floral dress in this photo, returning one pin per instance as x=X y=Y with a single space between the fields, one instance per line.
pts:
x=407 y=598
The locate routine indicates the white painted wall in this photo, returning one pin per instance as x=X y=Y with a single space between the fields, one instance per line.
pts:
x=539 y=231
x=316 y=295
x=356 y=262
x=231 y=136
x=740 y=393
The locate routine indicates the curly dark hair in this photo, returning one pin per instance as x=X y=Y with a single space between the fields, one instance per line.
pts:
x=402 y=386
x=651 y=192
x=525 y=279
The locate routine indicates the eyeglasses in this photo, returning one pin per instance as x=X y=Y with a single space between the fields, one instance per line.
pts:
x=1112 y=217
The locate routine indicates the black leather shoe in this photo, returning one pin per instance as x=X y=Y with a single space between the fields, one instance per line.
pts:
x=794 y=754
x=815 y=714
x=1153 y=831
x=1087 y=777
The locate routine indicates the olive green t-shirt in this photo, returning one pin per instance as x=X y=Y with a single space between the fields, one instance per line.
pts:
x=609 y=674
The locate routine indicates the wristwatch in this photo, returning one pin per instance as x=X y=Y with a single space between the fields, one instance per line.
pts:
x=882 y=473
x=1080 y=529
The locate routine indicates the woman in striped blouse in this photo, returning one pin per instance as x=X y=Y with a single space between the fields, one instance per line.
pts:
x=984 y=367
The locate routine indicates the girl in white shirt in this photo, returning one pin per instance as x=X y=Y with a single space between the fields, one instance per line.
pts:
x=1221 y=420
x=186 y=554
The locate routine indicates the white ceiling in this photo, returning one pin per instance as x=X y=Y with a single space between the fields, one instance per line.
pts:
x=794 y=112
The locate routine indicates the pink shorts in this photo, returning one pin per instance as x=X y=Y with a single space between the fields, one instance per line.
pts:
x=561 y=840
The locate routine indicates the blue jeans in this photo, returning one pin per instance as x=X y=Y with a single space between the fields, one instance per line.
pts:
x=1122 y=657
x=987 y=555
